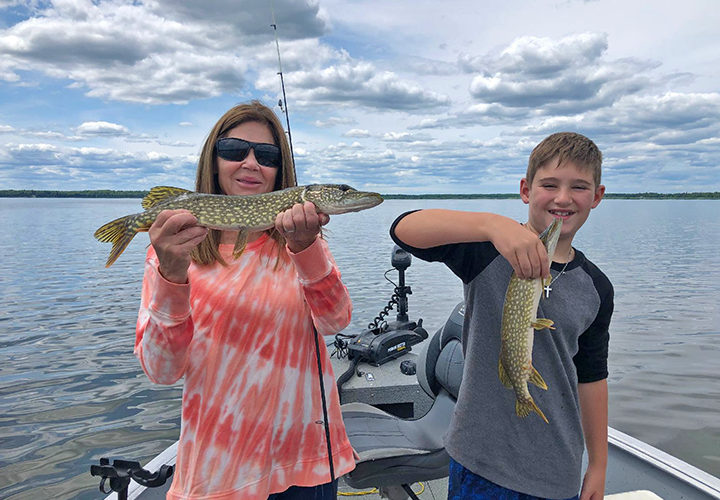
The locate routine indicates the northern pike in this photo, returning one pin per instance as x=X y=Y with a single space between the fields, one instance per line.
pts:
x=519 y=322
x=245 y=214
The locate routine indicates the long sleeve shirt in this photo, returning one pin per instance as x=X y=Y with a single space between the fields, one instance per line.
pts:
x=242 y=336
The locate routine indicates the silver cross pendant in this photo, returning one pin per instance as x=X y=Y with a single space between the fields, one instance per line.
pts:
x=547 y=291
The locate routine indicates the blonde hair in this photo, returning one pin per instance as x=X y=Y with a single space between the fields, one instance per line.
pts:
x=207 y=178
x=566 y=146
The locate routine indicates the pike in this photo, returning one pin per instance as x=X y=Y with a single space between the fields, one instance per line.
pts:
x=245 y=214
x=519 y=322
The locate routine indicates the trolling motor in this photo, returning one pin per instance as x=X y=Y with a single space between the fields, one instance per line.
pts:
x=384 y=341
x=122 y=471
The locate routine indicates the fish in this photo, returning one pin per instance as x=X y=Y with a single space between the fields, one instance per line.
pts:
x=519 y=322
x=245 y=214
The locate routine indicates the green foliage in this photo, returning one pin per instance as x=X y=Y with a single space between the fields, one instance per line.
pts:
x=102 y=193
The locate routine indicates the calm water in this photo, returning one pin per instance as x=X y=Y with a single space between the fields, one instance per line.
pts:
x=71 y=390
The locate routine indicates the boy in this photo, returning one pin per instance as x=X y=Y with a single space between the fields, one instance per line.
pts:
x=496 y=454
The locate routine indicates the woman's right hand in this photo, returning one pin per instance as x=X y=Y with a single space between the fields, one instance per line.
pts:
x=521 y=247
x=173 y=235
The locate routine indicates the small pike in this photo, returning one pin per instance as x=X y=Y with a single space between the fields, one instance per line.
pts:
x=519 y=323
x=232 y=213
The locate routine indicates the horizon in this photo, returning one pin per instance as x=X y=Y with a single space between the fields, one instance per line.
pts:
x=386 y=96
x=79 y=193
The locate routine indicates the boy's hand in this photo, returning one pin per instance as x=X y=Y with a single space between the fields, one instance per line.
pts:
x=173 y=235
x=300 y=225
x=521 y=247
x=593 y=487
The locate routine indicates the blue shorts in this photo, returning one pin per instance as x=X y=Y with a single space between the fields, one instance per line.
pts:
x=465 y=485
x=327 y=491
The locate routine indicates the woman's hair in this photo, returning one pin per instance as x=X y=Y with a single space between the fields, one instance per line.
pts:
x=207 y=173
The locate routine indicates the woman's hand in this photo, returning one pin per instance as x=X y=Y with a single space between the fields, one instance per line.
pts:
x=300 y=225
x=173 y=235
x=521 y=247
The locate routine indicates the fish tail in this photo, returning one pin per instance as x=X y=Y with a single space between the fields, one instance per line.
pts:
x=120 y=233
x=523 y=409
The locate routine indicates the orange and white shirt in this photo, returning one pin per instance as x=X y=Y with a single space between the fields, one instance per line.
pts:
x=242 y=337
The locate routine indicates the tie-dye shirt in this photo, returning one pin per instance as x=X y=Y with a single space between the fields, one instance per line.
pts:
x=242 y=337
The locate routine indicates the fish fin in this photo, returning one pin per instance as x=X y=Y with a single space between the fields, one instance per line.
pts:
x=240 y=243
x=161 y=193
x=503 y=375
x=536 y=378
x=541 y=323
x=120 y=233
x=546 y=282
x=522 y=410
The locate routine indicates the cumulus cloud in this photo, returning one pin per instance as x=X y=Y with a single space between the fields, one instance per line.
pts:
x=566 y=75
x=333 y=121
x=357 y=83
x=47 y=166
x=105 y=129
x=405 y=137
x=153 y=52
x=356 y=132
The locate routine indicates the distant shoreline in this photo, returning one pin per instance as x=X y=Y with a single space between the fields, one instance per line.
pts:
x=36 y=193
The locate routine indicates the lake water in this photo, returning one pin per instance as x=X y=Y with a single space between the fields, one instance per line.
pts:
x=71 y=390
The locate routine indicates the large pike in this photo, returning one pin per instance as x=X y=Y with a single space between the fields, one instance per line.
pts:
x=232 y=213
x=519 y=323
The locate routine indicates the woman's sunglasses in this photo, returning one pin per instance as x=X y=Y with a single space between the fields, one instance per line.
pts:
x=233 y=149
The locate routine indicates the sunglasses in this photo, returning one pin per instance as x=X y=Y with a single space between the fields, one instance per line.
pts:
x=233 y=149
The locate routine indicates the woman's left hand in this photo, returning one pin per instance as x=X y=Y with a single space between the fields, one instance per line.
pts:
x=300 y=225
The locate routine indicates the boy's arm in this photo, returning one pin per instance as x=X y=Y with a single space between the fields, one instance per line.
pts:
x=437 y=227
x=594 y=410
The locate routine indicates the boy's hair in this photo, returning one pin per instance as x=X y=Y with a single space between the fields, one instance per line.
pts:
x=566 y=146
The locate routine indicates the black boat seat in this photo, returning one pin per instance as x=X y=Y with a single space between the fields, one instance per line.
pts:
x=395 y=451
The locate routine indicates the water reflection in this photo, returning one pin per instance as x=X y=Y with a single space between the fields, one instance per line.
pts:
x=72 y=391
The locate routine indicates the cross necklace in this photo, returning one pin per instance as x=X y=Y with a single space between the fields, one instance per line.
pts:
x=562 y=271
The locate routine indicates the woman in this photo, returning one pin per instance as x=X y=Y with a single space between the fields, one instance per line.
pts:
x=241 y=330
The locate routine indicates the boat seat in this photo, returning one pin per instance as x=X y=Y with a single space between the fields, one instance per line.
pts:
x=396 y=452
x=634 y=495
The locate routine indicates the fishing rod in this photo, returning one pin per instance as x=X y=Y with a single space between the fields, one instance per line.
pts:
x=284 y=99
x=325 y=422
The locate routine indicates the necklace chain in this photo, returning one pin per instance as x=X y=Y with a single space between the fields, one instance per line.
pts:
x=562 y=271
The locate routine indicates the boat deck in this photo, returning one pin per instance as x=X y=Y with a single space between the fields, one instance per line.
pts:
x=633 y=465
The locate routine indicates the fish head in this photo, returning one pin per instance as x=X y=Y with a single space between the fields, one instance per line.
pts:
x=340 y=198
x=550 y=236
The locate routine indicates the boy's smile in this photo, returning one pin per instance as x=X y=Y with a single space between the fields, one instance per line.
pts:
x=567 y=192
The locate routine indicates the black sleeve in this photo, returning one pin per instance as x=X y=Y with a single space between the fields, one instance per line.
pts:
x=591 y=360
x=466 y=260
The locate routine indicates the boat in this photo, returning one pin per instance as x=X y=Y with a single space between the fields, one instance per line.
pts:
x=397 y=452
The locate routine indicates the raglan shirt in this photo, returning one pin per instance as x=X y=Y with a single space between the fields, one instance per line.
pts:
x=242 y=336
x=485 y=435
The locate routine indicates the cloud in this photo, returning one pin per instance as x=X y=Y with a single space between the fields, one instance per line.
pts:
x=362 y=84
x=566 y=75
x=296 y=20
x=46 y=166
x=104 y=129
x=356 y=132
x=152 y=53
x=177 y=144
x=405 y=137
x=334 y=121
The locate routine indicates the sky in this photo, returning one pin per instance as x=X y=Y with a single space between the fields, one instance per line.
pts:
x=397 y=96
